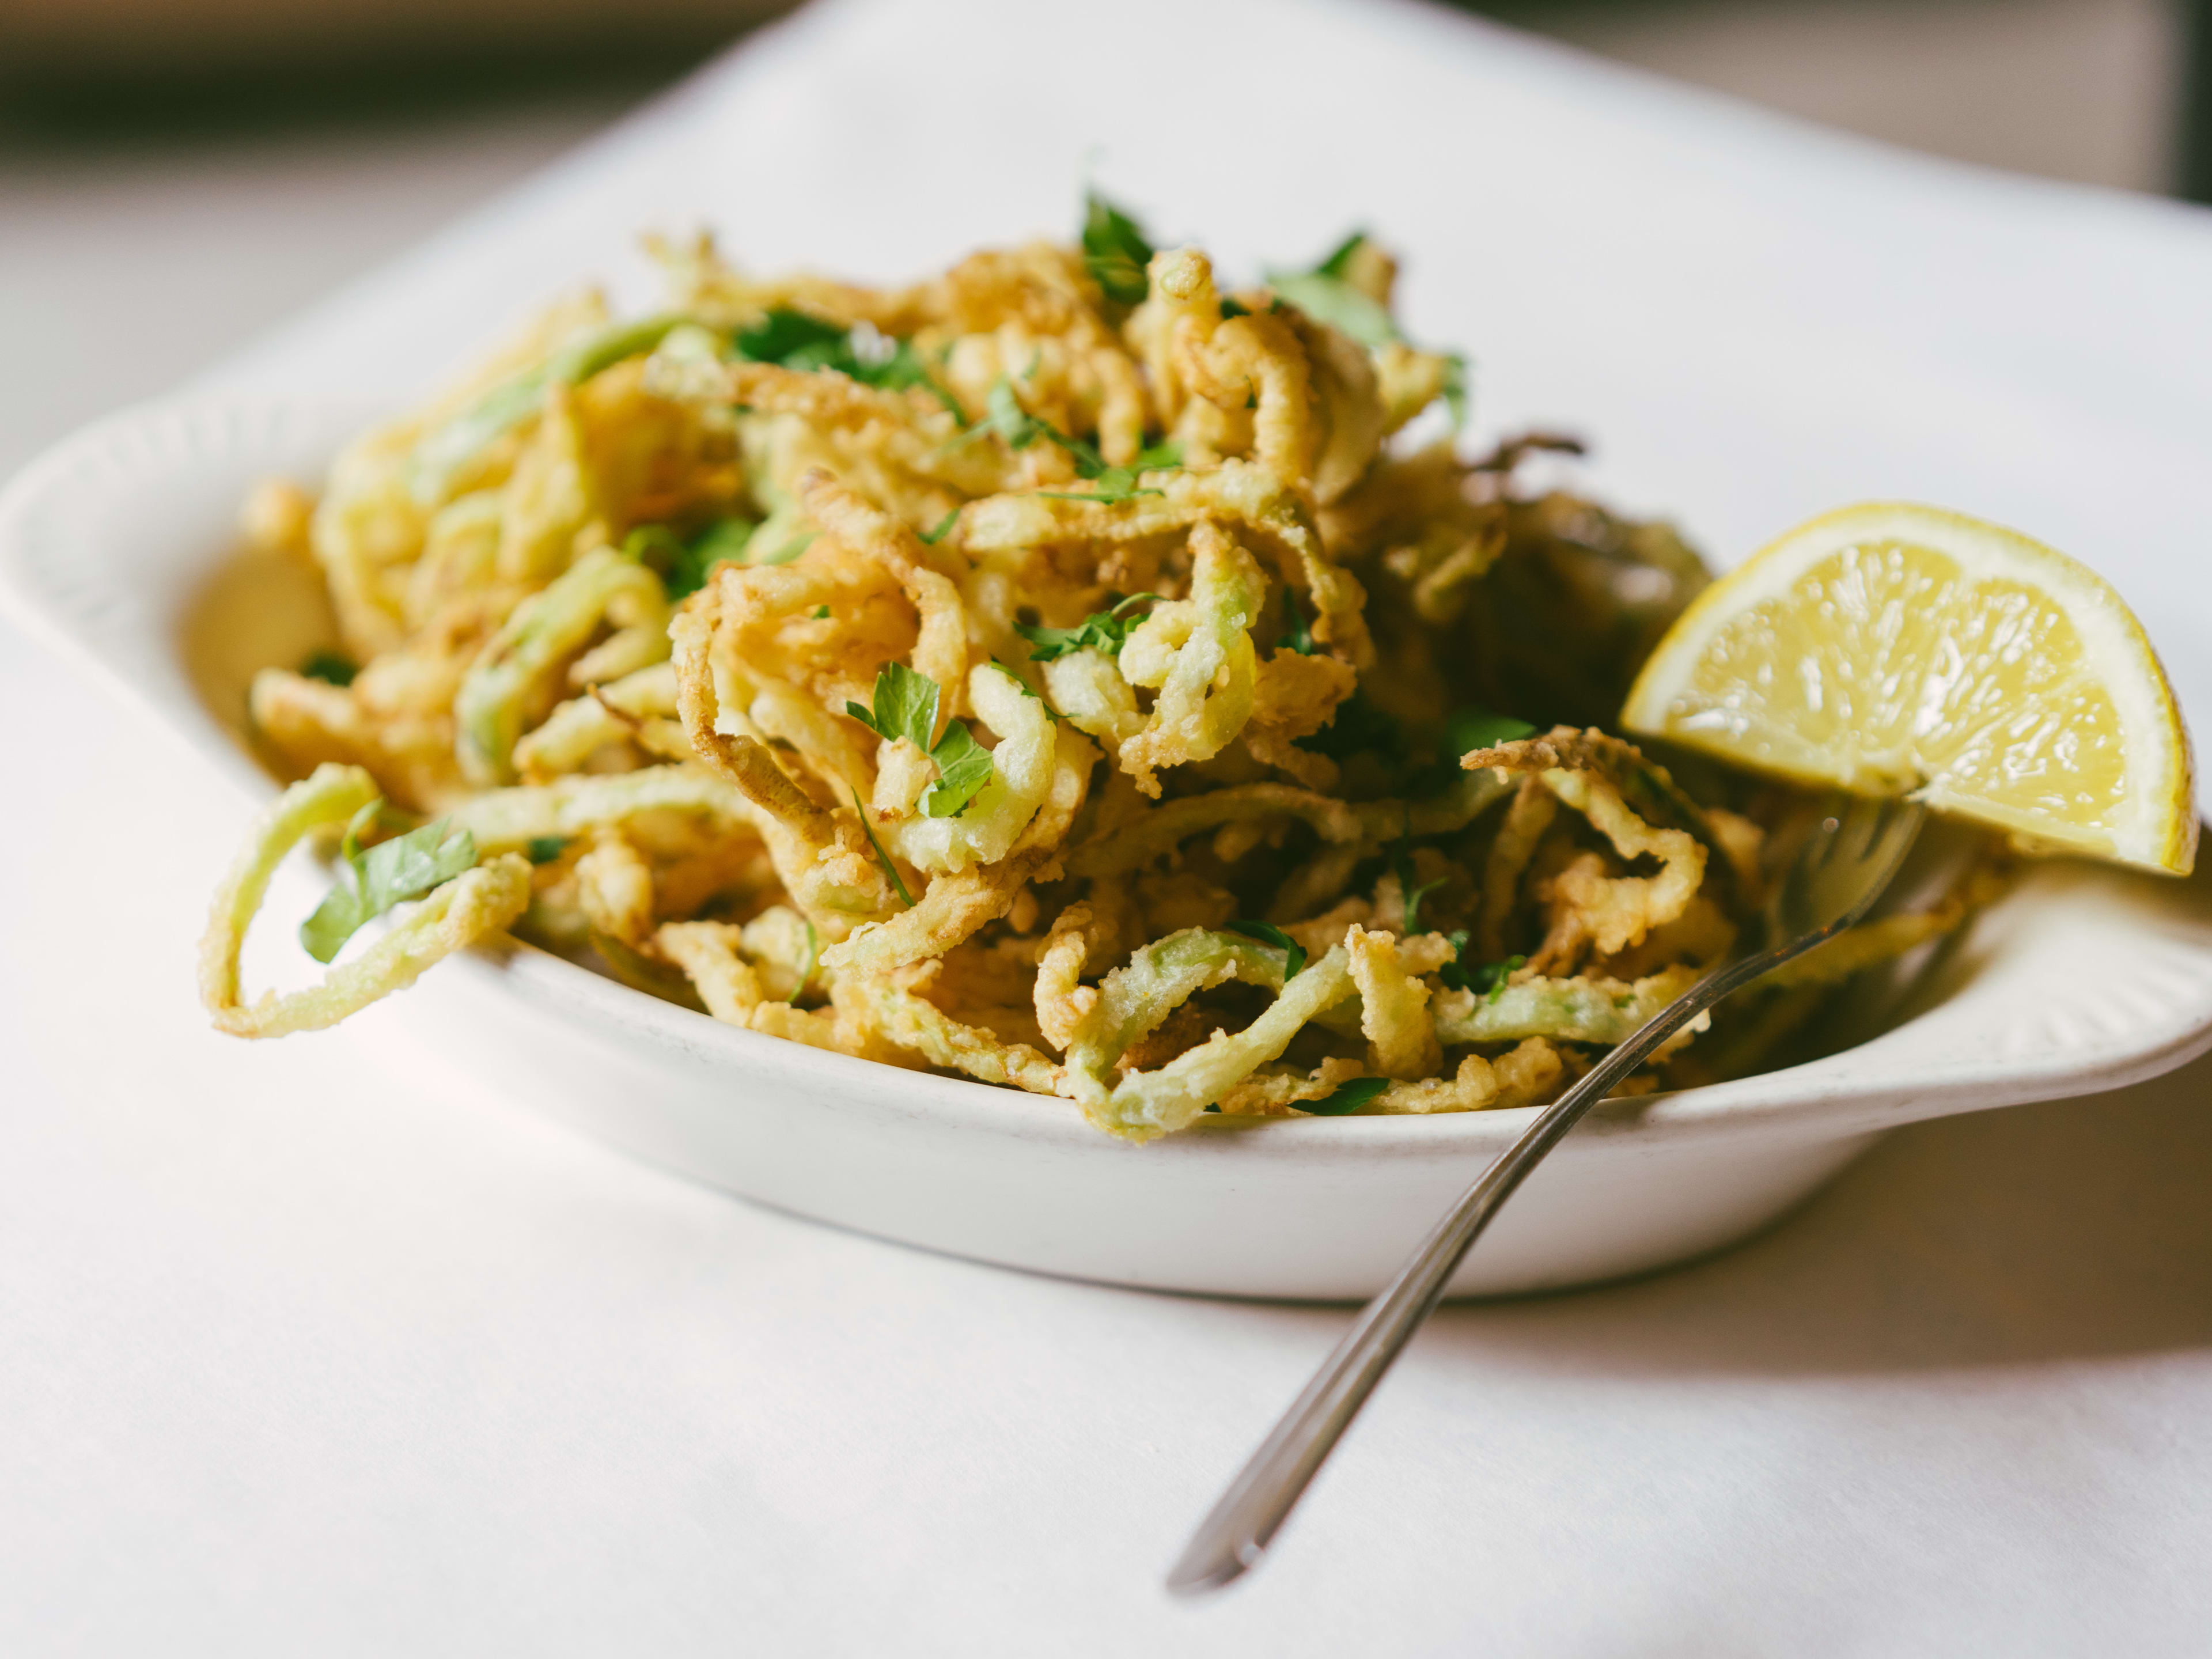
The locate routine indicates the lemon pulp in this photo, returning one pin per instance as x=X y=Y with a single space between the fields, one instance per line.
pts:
x=1890 y=649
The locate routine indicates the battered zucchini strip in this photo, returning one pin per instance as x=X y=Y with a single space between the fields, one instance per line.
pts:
x=914 y=1022
x=472 y=906
x=1598 y=1011
x=1198 y=656
x=509 y=820
x=444 y=453
x=494 y=697
x=1135 y=998
x=637 y=709
x=1161 y=829
x=1520 y=1077
x=1146 y=1104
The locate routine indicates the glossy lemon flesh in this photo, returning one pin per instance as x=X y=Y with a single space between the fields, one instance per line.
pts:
x=1891 y=648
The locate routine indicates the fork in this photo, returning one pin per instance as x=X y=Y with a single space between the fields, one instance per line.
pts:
x=1840 y=870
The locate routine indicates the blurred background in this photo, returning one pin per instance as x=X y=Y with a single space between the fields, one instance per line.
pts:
x=177 y=174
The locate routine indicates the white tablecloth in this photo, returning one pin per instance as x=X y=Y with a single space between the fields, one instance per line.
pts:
x=299 y=1354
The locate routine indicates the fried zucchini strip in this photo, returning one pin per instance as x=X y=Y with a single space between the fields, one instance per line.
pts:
x=472 y=906
x=1586 y=1010
x=1520 y=1077
x=1146 y=1104
x=1198 y=655
x=914 y=1022
x=494 y=697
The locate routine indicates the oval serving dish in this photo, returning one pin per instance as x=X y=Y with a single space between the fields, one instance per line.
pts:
x=116 y=548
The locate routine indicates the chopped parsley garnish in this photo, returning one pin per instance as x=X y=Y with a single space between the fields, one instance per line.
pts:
x=1029 y=691
x=685 y=567
x=820 y=613
x=1327 y=294
x=1103 y=630
x=331 y=667
x=1347 y=1097
x=1294 y=954
x=1339 y=262
x=906 y=705
x=1487 y=981
x=1470 y=727
x=543 y=849
x=1300 y=638
x=1454 y=389
x=1113 y=484
x=793 y=339
x=391 y=872
x=1402 y=863
x=1358 y=727
x=963 y=767
x=1324 y=294
x=1232 y=308
x=882 y=857
x=944 y=524
x=1115 y=250
x=1019 y=429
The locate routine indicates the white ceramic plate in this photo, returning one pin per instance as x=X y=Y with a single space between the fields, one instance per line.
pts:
x=114 y=546
x=1717 y=295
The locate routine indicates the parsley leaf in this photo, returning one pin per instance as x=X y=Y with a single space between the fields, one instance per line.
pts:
x=793 y=339
x=1005 y=417
x=905 y=704
x=1103 y=630
x=331 y=667
x=1402 y=863
x=1470 y=727
x=1358 y=727
x=1324 y=294
x=686 y=567
x=1487 y=981
x=1455 y=390
x=1294 y=954
x=1300 y=638
x=1233 y=308
x=1115 y=250
x=1004 y=414
x=1115 y=484
x=795 y=342
x=543 y=849
x=882 y=857
x=391 y=872
x=963 y=767
x=820 y=613
x=1348 y=1097
x=1024 y=686
x=1338 y=263
x=722 y=542
x=932 y=537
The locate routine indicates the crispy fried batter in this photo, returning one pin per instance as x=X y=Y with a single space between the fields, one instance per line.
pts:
x=908 y=775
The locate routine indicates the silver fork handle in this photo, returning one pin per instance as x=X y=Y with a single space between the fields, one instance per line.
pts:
x=1237 y=1529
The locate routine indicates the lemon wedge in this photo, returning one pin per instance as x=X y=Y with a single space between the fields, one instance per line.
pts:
x=1890 y=649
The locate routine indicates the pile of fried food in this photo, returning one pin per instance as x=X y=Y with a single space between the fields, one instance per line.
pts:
x=1060 y=672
